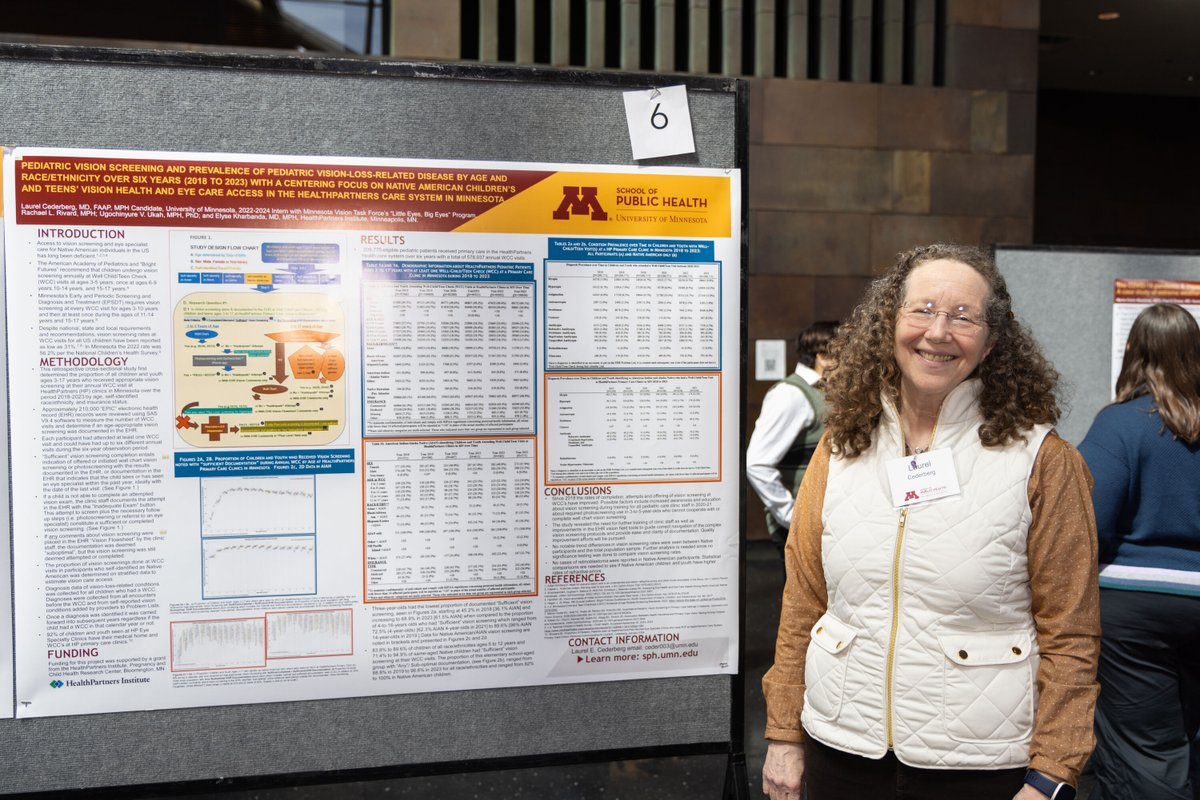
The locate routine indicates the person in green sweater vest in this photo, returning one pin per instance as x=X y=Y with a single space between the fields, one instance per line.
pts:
x=788 y=428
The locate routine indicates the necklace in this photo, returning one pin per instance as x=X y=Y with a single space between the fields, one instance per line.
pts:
x=916 y=451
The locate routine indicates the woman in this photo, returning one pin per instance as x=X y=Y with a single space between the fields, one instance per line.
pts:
x=939 y=629
x=1144 y=451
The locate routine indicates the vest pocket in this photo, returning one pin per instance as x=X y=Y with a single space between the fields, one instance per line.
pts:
x=825 y=666
x=988 y=692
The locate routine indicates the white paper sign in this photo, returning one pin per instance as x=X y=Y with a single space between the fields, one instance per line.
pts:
x=925 y=476
x=769 y=356
x=659 y=122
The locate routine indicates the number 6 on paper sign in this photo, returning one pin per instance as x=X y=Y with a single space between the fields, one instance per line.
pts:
x=659 y=122
x=658 y=119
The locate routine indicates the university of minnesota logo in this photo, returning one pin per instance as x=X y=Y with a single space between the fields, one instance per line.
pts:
x=580 y=200
x=911 y=495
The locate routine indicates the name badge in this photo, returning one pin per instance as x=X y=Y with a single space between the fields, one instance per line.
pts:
x=927 y=476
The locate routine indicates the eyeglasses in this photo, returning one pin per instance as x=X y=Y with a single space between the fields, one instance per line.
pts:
x=959 y=320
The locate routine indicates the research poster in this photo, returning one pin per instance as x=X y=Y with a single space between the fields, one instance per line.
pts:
x=1131 y=296
x=291 y=428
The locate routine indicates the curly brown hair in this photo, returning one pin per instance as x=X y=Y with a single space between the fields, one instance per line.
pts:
x=1019 y=384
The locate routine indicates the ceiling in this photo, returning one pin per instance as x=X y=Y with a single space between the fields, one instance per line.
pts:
x=1152 y=48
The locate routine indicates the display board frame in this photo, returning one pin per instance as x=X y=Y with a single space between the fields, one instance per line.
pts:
x=191 y=101
x=1065 y=296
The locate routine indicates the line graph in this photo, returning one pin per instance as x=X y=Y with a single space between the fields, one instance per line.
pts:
x=306 y=634
x=260 y=506
x=259 y=566
x=217 y=644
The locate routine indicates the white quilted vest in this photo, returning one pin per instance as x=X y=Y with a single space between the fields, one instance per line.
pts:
x=928 y=646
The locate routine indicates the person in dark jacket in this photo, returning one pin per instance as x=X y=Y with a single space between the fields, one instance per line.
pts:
x=1144 y=454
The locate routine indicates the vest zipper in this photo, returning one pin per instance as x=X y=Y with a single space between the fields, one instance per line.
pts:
x=891 y=659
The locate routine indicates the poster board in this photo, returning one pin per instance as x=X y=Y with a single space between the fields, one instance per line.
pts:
x=7 y=710
x=1065 y=295
x=230 y=105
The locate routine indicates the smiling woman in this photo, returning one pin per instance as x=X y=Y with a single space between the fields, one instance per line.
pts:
x=940 y=621
x=1018 y=384
x=936 y=350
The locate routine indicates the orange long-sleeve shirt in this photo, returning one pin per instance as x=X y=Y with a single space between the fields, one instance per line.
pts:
x=1062 y=577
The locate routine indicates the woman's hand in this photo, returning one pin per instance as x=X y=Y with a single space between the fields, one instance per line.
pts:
x=783 y=769
x=1029 y=793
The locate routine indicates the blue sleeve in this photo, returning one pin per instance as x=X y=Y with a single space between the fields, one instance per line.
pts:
x=1107 y=459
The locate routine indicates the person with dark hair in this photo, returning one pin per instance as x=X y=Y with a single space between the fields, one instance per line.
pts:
x=940 y=625
x=788 y=429
x=1144 y=451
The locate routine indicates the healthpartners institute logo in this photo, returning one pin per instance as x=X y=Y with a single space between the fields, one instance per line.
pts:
x=580 y=200
x=56 y=684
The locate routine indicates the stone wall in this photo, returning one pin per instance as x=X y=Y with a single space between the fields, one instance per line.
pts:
x=843 y=176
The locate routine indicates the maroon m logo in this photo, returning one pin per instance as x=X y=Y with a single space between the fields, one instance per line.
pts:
x=580 y=200
x=911 y=496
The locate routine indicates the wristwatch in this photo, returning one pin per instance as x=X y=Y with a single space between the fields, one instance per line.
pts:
x=1050 y=787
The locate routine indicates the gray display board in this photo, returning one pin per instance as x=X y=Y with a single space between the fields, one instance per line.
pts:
x=1066 y=297
x=71 y=97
